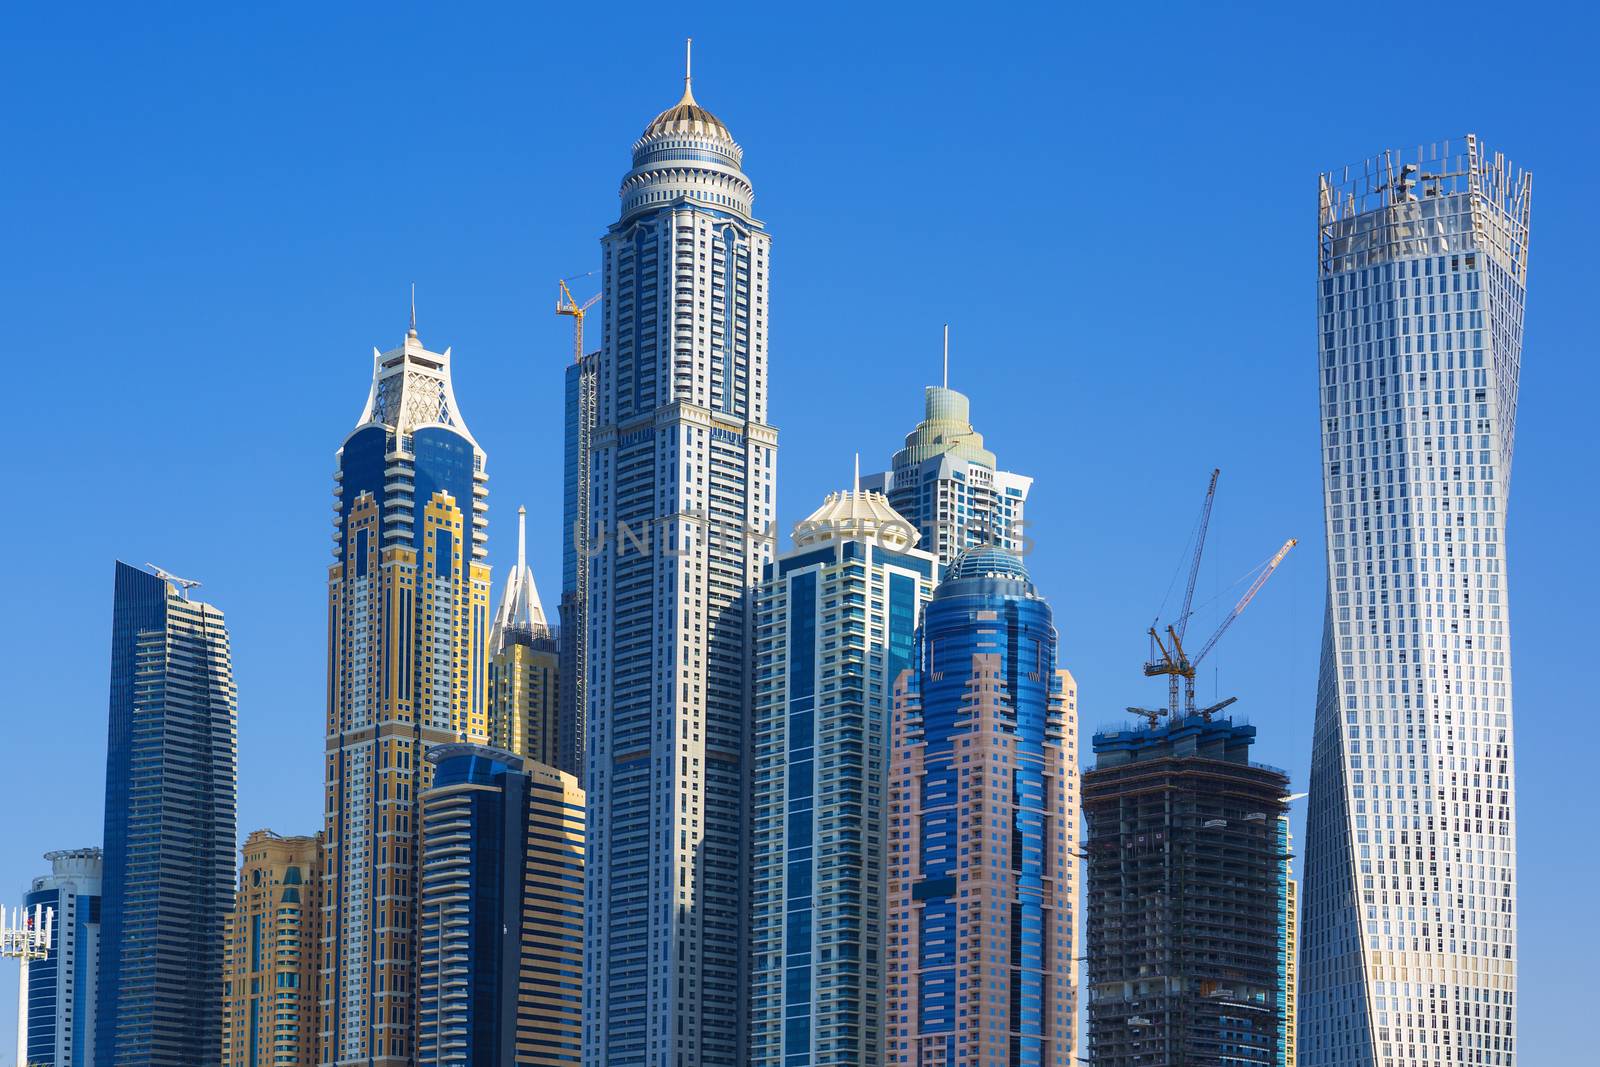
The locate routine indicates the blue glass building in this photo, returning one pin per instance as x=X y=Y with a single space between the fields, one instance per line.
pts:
x=170 y=828
x=500 y=933
x=836 y=622
x=55 y=1027
x=983 y=826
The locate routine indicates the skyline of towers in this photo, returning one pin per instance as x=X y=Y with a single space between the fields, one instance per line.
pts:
x=500 y=938
x=1409 y=887
x=682 y=492
x=171 y=797
x=950 y=486
x=983 y=830
x=1186 y=927
x=270 y=953
x=836 y=620
x=408 y=630
x=56 y=995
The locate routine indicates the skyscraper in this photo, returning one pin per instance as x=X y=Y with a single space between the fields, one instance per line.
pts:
x=408 y=628
x=949 y=485
x=56 y=1023
x=683 y=489
x=172 y=772
x=1409 y=888
x=269 y=1008
x=500 y=979
x=577 y=531
x=836 y=624
x=1188 y=874
x=983 y=830
x=524 y=668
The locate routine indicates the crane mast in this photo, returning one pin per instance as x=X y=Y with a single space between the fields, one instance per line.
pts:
x=567 y=304
x=1168 y=657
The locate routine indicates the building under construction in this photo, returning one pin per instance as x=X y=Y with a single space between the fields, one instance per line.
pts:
x=1188 y=861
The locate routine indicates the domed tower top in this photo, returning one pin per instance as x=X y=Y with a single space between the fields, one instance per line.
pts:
x=686 y=153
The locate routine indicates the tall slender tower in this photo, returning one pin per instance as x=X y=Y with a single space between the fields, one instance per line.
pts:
x=983 y=831
x=949 y=485
x=172 y=770
x=683 y=484
x=408 y=628
x=524 y=668
x=837 y=618
x=1409 y=914
x=577 y=531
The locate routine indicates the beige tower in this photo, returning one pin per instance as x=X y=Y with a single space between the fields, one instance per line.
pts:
x=269 y=954
x=524 y=668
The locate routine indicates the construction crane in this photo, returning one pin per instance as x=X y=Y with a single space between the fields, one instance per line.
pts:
x=1169 y=657
x=567 y=304
x=183 y=584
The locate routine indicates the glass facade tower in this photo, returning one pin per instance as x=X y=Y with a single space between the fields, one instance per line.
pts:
x=836 y=625
x=1409 y=889
x=408 y=628
x=56 y=1023
x=500 y=936
x=983 y=831
x=682 y=492
x=172 y=771
x=950 y=486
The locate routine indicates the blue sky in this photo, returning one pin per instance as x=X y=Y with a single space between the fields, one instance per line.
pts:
x=211 y=217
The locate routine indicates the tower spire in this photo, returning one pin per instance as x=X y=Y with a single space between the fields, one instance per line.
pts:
x=412 y=332
x=688 y=71
x=947 y=355
x=522 y=537
x=856 y=488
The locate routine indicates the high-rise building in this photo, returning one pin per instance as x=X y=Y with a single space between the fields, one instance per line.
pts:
x=269 y=959
x=524 y=668
x=1409 y=887
x=983 y=830
x=577 y=531
x=683 y=486
x=836 y=625
x=408 y=652
x=172 y=770
x=56 y=998
x=1188 y=873
x=1291 y=964
x=500 y=978
x=950 y=486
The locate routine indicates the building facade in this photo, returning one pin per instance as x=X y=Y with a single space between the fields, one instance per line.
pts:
x=577 y=531
x=950 y=486
x=56 y=997
x=408 y=651
x=1410 y=890
x=836 y=625
x=683 y=483
x=172 y=773
x=983 y=831
x=525 y=699
x=501 y=925
x=1188 y=875
x=270 y=956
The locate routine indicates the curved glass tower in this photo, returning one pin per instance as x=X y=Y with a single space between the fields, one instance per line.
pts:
x=983 y=830
x=682 y=491
x=408 y=628
x=1409 y=923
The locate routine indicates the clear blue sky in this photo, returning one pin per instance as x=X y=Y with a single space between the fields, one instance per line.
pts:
x=210 y=218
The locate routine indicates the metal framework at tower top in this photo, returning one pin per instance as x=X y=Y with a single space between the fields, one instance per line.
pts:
x=1169 y=657
x=26 y=934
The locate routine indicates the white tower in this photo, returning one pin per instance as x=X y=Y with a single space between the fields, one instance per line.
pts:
x=683 y=484
x=1409 y=919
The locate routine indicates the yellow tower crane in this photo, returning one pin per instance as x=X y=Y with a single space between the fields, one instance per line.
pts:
x=567 y=304
x=1169 y=657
